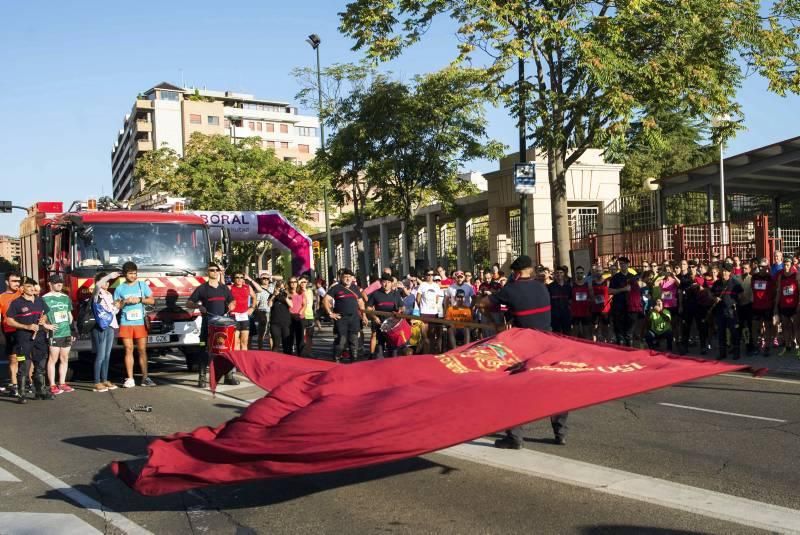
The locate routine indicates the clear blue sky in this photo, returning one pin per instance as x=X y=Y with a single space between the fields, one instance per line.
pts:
x=69 y=71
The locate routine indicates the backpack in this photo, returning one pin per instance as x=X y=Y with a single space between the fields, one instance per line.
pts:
x=86 y=319
x=103 y=318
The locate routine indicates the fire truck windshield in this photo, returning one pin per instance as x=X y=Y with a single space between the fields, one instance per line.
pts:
x=158 y=246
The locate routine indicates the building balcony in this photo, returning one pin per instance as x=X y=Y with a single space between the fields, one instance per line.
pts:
x=143 y=145
x=144 y=126
x=144 y=104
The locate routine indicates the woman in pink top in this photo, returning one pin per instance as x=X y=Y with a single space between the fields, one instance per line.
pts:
x=297 y=311
x=669 y=296
x=245 y=299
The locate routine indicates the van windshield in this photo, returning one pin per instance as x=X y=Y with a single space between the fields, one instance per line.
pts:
x=159 y=246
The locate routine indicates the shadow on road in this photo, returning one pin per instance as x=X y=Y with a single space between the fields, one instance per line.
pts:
x=734 y=389
x=114 y=494
x=634 y=530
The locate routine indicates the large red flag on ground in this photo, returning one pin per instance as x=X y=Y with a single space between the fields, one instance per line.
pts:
x=321 y=417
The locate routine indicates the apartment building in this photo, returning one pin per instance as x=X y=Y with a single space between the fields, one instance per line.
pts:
x=168 y=115
x=9 y=248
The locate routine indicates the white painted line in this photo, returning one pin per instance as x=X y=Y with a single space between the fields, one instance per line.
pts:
x=63 y=524
x=724 y=412
x=87 y=502
x=205 y=392
x=634 y=486
x=6 y=476
x=744 y=375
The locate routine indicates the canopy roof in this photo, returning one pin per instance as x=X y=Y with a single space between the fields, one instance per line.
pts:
x=772 y=170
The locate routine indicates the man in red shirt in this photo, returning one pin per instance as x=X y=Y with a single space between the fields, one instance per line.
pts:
x=13 y=291
x=763 y=304
x=787 y=286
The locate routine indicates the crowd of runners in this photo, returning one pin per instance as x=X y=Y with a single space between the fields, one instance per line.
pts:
x=725 y=305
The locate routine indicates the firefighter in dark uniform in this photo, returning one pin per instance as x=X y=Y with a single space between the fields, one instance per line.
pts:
x=528 y=302
x=345 y=307
x=214 y=298
x=726 y=293
x=28 y=315
x=384 y=299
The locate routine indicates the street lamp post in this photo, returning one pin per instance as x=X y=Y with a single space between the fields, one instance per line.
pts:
x=315 y=41
x=718 y=122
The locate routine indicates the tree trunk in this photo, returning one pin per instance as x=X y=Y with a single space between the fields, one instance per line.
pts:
x=558 y=206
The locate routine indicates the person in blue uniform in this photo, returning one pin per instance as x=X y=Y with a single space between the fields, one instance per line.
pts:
x=528 y=303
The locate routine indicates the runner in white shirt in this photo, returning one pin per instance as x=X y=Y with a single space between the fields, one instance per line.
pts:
x=429 y=300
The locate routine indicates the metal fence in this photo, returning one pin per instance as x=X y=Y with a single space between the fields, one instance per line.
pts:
x=514 y=232
x=478 y=242
x=447 y=256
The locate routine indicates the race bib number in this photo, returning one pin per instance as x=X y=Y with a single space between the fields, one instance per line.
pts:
x=760 y=285
x=241 y=316
x=61 y=316
x=788 y=290
x=599 y=300
x=581 y=296
x=134 y=314
x=666 y=295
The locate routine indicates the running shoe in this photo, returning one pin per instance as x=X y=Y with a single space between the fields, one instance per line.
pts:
x=148 y=382
x=66 y=388
x=129 y=383
x=100 y=387
x=55 y=390
x=110 y=385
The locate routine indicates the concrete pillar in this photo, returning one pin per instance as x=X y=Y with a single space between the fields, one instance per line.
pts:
x=462 y=247
x=384 y=241
x=404 y=253
x=433 y=238
x=498 y=235
x=346 y=259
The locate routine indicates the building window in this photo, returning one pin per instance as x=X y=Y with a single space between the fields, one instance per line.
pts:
x=213 y=120
x=263 y=107
x=168 y=95
x=582 y=221
x=270 y=144
x=303 y=148
x=227 y=123
x=195 y=118
x=270 y=127
x=306 y=131
x=251 y=125
x=258 y=126
x=284 y=128
x=284 y=144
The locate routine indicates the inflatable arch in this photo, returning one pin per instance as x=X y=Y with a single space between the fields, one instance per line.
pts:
x=269 y=225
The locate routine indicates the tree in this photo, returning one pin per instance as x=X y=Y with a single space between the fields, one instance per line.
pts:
x=215 y=174
x=599 y=64
x=400 y=145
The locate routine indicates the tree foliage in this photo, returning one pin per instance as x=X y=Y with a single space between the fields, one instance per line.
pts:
x=215 y=174
x=598 y=65
x=398 y=146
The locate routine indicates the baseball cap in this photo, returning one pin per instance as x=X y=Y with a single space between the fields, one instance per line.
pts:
x=458 y=273
x=56 y=279
x=522 y=262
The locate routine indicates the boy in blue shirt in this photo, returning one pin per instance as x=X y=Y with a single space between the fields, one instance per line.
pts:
x=131 y=296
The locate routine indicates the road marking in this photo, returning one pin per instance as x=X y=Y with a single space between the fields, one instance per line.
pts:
x=208 y=393
x=87 y=502
x=723 y=412
x=7 y=476
x=634 y=486
x=750 y=377
x=63 y=524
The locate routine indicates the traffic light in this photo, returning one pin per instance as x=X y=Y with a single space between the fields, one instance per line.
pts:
x=5 y=207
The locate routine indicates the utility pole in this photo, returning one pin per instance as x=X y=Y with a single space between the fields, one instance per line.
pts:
x=523 y=158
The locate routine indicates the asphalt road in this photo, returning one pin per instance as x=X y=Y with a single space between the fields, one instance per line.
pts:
x=654 y=463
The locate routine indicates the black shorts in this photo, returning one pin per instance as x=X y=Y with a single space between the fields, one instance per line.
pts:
x=243 y=326
x=787 y=312
x=9 y=347
x=61 y=341
x=599 y=317
x=582 y=321
x=763 y=315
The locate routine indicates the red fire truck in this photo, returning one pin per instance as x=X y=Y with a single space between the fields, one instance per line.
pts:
x=170 y=248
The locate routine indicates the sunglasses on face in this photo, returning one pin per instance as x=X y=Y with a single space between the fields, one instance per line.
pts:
x=213 y=270
x=292 y=282
x=429 y=274
x=238 y=277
